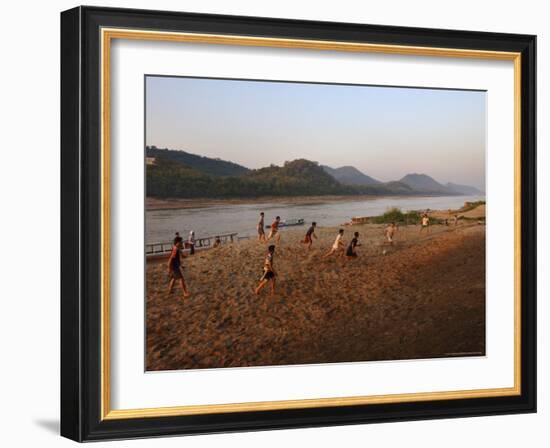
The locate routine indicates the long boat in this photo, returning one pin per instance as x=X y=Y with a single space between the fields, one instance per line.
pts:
x=290 y=222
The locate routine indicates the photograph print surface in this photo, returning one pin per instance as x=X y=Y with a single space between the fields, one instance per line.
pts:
x=304 y=223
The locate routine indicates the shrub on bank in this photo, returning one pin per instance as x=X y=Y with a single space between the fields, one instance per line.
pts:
x=395 y=214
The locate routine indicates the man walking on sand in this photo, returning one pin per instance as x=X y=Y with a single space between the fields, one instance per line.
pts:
x=269 y=272
x=260 y=228
x=274 y=232
x=310 y=234
x=174 y=267
x=338 y=245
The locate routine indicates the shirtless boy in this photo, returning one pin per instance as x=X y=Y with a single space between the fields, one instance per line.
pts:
x=390 y=232
x=274 y=232
x=260 y=227
x=310 y=234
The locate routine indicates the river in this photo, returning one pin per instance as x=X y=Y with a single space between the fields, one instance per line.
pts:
x=242 y=218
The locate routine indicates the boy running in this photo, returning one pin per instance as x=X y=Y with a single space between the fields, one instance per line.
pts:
x=338 y=245
x=174 y=266
x=260 y=227
x=389 y=232
x=310 y=234
x=350 y=252
x=274 y=232
x=269 y=271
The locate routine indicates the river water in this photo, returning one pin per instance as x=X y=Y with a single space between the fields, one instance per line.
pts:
x=215 y=220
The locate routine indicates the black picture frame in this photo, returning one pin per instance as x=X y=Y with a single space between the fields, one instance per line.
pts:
x=81 y=224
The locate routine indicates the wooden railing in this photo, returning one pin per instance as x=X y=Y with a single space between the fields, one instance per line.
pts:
x=200 y=243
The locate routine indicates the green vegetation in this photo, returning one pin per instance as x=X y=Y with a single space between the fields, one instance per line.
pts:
x=168 y=178
x=178 y=174
x=396 y=215
x=214 y=167
x=297 y=178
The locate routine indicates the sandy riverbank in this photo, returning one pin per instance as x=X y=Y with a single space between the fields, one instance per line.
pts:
x=424 y=298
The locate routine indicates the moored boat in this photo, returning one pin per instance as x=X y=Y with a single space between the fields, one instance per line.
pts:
x=290 y=222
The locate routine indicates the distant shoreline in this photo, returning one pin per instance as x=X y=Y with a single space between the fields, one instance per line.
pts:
x=152 y=203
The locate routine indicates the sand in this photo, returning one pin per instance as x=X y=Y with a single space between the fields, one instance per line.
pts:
x=475 y=213
x=424 y=298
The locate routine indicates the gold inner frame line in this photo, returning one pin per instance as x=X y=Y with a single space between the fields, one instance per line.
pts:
x=107 y=35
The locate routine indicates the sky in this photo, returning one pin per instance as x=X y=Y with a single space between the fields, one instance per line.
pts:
x=385 y=132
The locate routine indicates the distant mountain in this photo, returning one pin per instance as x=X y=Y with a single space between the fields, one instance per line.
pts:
x=349 y=175
x=464 y=189
x=423 y=183
x=169 y=178
x=179 y=174
x=207 y=165
x=397 y=187
x=295 y=178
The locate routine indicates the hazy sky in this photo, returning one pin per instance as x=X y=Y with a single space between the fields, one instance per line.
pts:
x=386 y=132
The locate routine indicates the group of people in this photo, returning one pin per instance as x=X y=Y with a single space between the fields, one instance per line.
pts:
x=273 y=229
x=338 y=248
x=269 y=275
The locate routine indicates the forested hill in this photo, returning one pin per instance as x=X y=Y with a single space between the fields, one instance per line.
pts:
x=178 y=174
x=167 y=178
x=214 y=167
x=296 y=178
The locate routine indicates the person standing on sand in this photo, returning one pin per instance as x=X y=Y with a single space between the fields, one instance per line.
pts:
x=274 y=232
x=456 y=220
x=191 y=242
x=260 y=228
x=217 y=242
x=310 y=234
x=389 y=232
x=425 y=223
x=338 y=245
x=350 y=252
x=174 y=267
x=269 y=272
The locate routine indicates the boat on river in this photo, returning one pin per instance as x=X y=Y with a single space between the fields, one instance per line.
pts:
x=290 y=222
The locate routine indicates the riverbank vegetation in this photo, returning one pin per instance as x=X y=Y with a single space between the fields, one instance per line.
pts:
x=177 y=174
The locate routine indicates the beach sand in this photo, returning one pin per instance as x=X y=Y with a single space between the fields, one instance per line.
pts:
x=424 y=298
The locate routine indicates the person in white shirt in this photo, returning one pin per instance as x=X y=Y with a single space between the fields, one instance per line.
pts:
x=338 y=246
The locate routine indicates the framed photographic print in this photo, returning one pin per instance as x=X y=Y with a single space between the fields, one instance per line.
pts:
x=273 y=223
